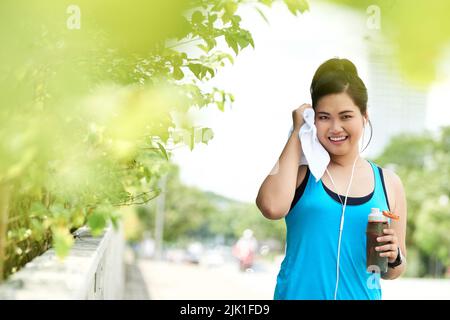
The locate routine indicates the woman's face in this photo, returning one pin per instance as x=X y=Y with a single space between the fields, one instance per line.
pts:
x=337 y=116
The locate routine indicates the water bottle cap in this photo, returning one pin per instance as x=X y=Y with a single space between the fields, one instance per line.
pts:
x=377 y=215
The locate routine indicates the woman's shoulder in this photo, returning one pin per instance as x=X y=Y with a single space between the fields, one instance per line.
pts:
x=393 y=178
x=390 y=175
x=393 y=184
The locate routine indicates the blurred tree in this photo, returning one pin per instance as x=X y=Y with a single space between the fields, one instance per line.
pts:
x=422 y=162
x=89 y=93
x=204 y=216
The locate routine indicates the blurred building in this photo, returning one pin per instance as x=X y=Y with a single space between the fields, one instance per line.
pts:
x=394 y=105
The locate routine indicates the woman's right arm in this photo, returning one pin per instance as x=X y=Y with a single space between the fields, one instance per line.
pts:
x=278 y=189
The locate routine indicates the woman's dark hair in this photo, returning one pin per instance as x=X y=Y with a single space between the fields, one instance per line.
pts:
x=337 y=76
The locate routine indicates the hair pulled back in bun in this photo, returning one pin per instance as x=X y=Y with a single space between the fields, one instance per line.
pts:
x=337 y=76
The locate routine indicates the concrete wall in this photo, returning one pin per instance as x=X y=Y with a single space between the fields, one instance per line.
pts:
x=94 y=269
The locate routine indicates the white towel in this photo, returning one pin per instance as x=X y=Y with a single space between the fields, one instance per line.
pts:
x=314 y=154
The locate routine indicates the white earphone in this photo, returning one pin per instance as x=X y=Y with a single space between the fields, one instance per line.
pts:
x=341 y=226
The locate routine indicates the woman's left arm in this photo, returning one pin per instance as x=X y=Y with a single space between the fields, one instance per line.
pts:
x=396 y=234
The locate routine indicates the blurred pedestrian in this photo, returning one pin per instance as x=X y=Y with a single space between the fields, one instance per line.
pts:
x=244 y=250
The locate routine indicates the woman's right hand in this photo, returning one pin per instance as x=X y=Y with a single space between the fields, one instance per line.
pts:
x=297 y=116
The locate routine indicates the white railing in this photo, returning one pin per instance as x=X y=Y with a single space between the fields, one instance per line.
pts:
x=94 y=269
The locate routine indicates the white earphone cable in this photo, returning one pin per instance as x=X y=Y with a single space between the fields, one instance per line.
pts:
x=341 y=226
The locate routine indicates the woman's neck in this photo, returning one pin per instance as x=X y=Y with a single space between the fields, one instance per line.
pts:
x=345 y=161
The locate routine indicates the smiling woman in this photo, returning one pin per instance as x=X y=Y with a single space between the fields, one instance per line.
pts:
x=325 y=257
x=339 y=95
x=331 y=121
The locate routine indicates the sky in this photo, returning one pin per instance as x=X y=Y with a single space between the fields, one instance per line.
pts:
x=268 y=83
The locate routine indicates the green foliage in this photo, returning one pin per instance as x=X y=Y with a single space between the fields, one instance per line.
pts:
x=62 y=241
x=297 y=6
x=97 y=220
x=422 y=163
x=432 y=235
x=88 y=112
x=196 y=215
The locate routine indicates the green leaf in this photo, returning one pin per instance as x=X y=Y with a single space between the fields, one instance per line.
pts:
x=232 y=43
x=97 y=222
x=243 y=41
x=230 y=8
x=226 y=18
x=184 y=29
x=38 y=229
x=191 y=140
x=230 y=58
x=250 y=39
x=261 y=13
x=218 y=6
x=211 y=42
x=204 y=47
x=221 y=105
x=115 y=217
x=178 y=73
x=77 y=218
x=200 y=70
x=210 y=71
x=196 y=69
x=207 y=134
x=212 y=18
x=147 y=174
x=62 y=241
x=163 y=151
x=38 y=209
x=295 y=6
x=266 y=2
x=235 y=20
x=197 y=17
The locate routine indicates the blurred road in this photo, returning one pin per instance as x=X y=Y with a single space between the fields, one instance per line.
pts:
x=183 y=281
x=168 y=280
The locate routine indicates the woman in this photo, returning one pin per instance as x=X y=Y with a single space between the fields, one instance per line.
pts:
x=322 y=262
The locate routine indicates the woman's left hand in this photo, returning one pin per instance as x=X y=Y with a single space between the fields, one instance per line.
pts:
x=389 y=250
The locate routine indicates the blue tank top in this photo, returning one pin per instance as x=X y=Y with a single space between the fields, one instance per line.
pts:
x=308 y=270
